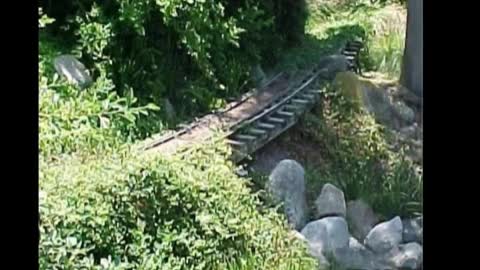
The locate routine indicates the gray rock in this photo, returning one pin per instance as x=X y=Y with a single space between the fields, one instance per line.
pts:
x=330 y=202
x=332 y=64
x=354 y=243
x=286 y=183
x=410 y=131
x=322 y=261
x=357 y=256
x=385 y=236
x=361 y=218
x=377 y=102
x=268 y=157
x=296 y=234
x=413 y=230
x=73 y=70
x=404 y=112
x=407 y=256
x=326 y=235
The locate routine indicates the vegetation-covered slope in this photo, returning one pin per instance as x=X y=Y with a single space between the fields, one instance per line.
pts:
x=103 y=207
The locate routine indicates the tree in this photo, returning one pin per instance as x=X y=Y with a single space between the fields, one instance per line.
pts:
x=412 y=66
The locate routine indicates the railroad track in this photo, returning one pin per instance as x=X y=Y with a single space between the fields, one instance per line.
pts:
x=259 y=116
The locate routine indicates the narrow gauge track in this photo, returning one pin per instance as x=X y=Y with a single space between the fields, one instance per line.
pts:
x=259 y=116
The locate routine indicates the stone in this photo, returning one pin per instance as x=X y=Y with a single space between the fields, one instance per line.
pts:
x=326 y=235
x=410 y=131
x=73 y=70
x=322 y=261
x=416 y=154
x=296 y=234
x=357 y=256
x=330 y=202
x=361 y=218
x=404 y=112
x=333 y=64
x=363 y=94
x=413 y=230
x=286 y=184
x=266 y=159
x=407 y=256
x=385 y=236
x=378 y=103
x=409 y=97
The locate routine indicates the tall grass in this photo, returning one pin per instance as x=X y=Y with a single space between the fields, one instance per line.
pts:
x=388 y=40
x=386 y=52
x=383 y=27
x=359 y=160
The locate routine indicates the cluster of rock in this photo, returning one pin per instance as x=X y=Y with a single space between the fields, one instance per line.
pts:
x=361 y=243
x=392 y=105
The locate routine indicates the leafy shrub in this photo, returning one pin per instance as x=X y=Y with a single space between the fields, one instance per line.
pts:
x=89 y=120
x=131 y=212
x=164 y=49
x=388 y=40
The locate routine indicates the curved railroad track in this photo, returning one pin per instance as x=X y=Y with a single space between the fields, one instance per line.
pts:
x=260 y=115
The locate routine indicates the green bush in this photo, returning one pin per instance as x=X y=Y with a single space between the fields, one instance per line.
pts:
x=130 y=212
x=191 y=52
x=73 y=120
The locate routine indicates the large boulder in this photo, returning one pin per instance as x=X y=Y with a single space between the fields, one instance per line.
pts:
x=385 y=236
x=354 y=256
x=330 y=202
x=286 y=184
x=407 y=256
x=330 y=65
x=375 y=99
x=364 y=94
x=413 y=230
x=326 y=235
x=361 y=218
x=357 y=256
x=410 y=132
x=73 y=70
x=405 y=113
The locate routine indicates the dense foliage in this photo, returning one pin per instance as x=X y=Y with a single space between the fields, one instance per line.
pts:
x=105 y=207
x=126 y=212
x=193 y=53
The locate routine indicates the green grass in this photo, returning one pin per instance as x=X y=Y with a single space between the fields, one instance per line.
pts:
x=356 y=160
x=359 y=160
x=356 y=145
x=103 y=206
x=329 y=26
